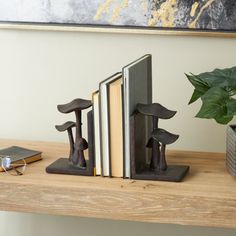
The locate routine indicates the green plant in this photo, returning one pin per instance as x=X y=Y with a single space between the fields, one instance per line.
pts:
x=217 y=90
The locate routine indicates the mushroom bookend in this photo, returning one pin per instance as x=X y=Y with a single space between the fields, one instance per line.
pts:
x=147 y=117
x=76 y=164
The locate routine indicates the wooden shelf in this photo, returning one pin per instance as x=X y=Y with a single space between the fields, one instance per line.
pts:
x=207 y=197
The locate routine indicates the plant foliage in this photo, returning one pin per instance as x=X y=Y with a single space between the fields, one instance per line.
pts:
x=217 y=90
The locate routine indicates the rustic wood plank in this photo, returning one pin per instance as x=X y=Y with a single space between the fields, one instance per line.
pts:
x=207 y=197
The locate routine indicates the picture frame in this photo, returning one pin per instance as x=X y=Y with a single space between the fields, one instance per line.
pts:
x=211 y=18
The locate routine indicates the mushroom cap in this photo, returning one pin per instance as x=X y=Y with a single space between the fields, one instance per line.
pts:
x=164 y=136
x=76 y=104
x=155 y=109
x=65 y=126
x=82 y=144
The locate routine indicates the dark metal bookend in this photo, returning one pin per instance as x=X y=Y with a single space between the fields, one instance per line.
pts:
x=76 y=164
x=158 y=169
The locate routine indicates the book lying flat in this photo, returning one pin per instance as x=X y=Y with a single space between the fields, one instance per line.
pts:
x=137 y=88
x=18 y=153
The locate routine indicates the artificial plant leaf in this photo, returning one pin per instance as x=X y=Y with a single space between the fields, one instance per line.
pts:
x=224 y=78
x=231 y=106
x=198 y=83
x=200 y=87
x=223 y=119
x=214 y=104
x=196 y=95
x=227 y=72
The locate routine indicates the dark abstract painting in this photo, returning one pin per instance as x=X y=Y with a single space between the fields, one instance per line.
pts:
x=177 y=14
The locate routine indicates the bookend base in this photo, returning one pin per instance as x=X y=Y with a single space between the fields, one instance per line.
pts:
x=62 y=166
x=174 y=173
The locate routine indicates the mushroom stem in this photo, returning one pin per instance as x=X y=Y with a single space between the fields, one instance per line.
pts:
x=82 y=162
x=163 y=165
x=155 y=159
x=78 y=156
x=71 y=140
x=68 y=127
x=78 y=124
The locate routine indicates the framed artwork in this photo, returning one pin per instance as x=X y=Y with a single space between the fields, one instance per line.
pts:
x=192 y=17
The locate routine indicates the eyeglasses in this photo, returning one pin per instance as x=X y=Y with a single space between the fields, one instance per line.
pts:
x=15 y=168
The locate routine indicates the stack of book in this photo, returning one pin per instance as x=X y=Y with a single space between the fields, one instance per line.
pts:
x=113 y=104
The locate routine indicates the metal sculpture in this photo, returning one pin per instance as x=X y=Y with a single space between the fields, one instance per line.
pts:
x=76 y=163
x=158 y=139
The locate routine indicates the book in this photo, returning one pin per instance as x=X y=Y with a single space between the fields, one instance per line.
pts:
x=137 y=88
x=17 y=153
x=116 y=127
x=95 y=99
x=104 y=124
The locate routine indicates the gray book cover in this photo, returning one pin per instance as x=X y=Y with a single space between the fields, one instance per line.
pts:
x=137 y=88
x=18 y=153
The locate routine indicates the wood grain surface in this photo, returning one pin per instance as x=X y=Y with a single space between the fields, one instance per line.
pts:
x=207 y=197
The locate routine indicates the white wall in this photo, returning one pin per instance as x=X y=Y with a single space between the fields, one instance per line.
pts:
x=19 y=224
x=39 y=70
